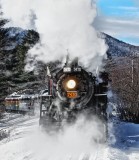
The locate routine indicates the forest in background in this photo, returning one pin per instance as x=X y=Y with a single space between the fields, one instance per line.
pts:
x=124 y=75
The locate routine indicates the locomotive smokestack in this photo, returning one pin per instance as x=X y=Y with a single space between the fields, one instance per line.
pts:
x=67 y=59
x=75 y=62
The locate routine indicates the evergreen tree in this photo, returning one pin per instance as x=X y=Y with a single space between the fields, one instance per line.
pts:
x=5 y=42
x=13 y=51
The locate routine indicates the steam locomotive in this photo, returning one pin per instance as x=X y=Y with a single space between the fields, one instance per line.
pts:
x=72 y=91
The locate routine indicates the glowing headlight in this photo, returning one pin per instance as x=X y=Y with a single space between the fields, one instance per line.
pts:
x=71 y=84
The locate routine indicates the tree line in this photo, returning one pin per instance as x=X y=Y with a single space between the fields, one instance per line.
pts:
x=124 y=75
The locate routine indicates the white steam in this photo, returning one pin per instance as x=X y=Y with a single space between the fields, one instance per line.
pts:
x=73 y=143
x=62 y=24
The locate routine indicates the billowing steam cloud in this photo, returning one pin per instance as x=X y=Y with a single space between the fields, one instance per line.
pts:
x=63 y=25
x=76 y=142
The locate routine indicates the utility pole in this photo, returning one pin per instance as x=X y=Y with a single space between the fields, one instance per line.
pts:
x=132 y=71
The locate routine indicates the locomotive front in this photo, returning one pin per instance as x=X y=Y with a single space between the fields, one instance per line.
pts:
x=71 y=91
x=74 y=86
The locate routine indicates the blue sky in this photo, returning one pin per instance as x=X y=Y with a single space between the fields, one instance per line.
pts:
x=119 y=18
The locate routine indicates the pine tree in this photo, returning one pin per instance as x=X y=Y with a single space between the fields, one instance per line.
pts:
x=12 y=59
x=20 y=53
x=5 y=42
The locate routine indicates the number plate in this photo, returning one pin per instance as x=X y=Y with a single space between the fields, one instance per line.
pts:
x=66 y=69
x=72 y=94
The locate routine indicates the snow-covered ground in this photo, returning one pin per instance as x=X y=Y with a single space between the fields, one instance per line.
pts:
x=27 y=141
x=123 y=141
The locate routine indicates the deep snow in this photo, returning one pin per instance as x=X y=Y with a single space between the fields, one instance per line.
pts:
x=27 y=141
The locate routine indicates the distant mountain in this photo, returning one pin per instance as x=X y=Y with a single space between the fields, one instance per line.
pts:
x=17 y=35
x=115 y=46
x=119 y=48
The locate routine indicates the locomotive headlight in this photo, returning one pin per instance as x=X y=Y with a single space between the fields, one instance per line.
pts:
x=71 y=84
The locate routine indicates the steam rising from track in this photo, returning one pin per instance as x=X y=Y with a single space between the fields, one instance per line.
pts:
x=75 y=142
x=62 y=24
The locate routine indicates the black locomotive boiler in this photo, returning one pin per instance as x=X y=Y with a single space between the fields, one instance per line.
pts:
x=71 y=91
